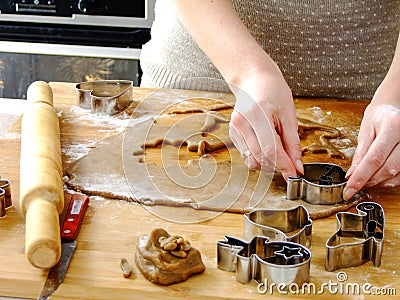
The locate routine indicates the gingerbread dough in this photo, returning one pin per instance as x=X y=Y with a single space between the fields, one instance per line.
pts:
x=203 y=183
x=166 y=259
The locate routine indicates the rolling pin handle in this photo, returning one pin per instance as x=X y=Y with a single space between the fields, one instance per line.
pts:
x=40 y=91
x=42 y=239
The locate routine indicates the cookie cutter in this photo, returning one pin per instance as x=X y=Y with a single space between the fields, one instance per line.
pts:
x=359 y=238
x=263 y=261
x=322 y=183
x=105 y=97
x=291 y=225
x=5 y=196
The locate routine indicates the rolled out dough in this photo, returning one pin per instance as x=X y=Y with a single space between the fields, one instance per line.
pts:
x=118 y=168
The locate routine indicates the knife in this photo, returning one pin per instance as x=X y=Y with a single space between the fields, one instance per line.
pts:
x=69 y=232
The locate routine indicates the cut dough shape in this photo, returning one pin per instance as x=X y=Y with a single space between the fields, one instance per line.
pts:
x=197 y=139
x=323 y=146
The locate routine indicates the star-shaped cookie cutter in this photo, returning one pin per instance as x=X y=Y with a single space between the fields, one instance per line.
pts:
x=359 y=238
x=291 y=225
x=261 y=260
x=322 y=183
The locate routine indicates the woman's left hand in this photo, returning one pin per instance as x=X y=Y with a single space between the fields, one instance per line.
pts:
x=377 y=158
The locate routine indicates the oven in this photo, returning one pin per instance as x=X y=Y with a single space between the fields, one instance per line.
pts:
x=71 y=40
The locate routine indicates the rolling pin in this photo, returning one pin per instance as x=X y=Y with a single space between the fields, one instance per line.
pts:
x=41 y=185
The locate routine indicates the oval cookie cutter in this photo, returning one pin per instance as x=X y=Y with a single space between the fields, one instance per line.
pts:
x=105 y=97
x=322 y=184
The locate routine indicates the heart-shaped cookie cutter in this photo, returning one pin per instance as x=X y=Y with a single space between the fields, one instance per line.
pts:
x=264 y=261
x=105 y=97
x=291 y=225
x=359 y=238
x=322 y=183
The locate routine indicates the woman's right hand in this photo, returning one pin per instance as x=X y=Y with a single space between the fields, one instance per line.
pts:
x=264 y=122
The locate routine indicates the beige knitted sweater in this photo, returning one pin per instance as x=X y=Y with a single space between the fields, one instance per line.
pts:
x=324 y=48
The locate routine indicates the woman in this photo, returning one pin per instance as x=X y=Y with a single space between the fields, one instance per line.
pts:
x=267 y=50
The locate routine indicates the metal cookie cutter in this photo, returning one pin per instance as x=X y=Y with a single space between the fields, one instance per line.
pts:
x=105 y=96
x=278 y=262
x=5 y=196
x=359 y=238
x=322 y=183
x=291 y=225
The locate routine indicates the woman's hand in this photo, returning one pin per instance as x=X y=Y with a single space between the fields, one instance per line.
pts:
x=377 y=157
x=264 y=120
x=264 y=123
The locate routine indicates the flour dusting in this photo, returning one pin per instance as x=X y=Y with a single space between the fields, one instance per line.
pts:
x=110 y=122
x=75 y=151
x=6 y=121
x=317 y=113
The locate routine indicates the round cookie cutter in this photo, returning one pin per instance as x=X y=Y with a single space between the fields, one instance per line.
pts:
x=105 y=97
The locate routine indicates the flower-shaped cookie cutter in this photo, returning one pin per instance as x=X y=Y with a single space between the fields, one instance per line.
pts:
x=359 y=238
x=291 y=225
x=261 y=260
x=322 y=183
x=105 y=97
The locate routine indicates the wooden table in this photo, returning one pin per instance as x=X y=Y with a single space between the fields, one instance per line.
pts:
x=111 y=230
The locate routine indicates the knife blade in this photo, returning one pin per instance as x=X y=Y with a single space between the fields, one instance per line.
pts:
x=69 y=232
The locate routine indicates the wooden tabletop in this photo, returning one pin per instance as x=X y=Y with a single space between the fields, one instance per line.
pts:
x=111 y=230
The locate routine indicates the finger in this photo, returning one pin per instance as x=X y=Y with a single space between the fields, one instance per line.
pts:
x=291 y=144
x=392 y=182
x=271 y=145
x=272 y=152
x=365 y=139
x=390 y=168
x=244 y=139
x=283 y=162
x=241 y=146
x=374 y=159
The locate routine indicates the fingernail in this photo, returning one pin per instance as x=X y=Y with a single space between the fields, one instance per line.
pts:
x=348 y=193
x=299 y=165
x=350 y=171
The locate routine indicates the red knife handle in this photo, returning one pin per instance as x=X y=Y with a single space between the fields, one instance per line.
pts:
x=74 y=217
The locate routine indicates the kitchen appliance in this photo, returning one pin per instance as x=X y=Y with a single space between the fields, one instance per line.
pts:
x=75 y=40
